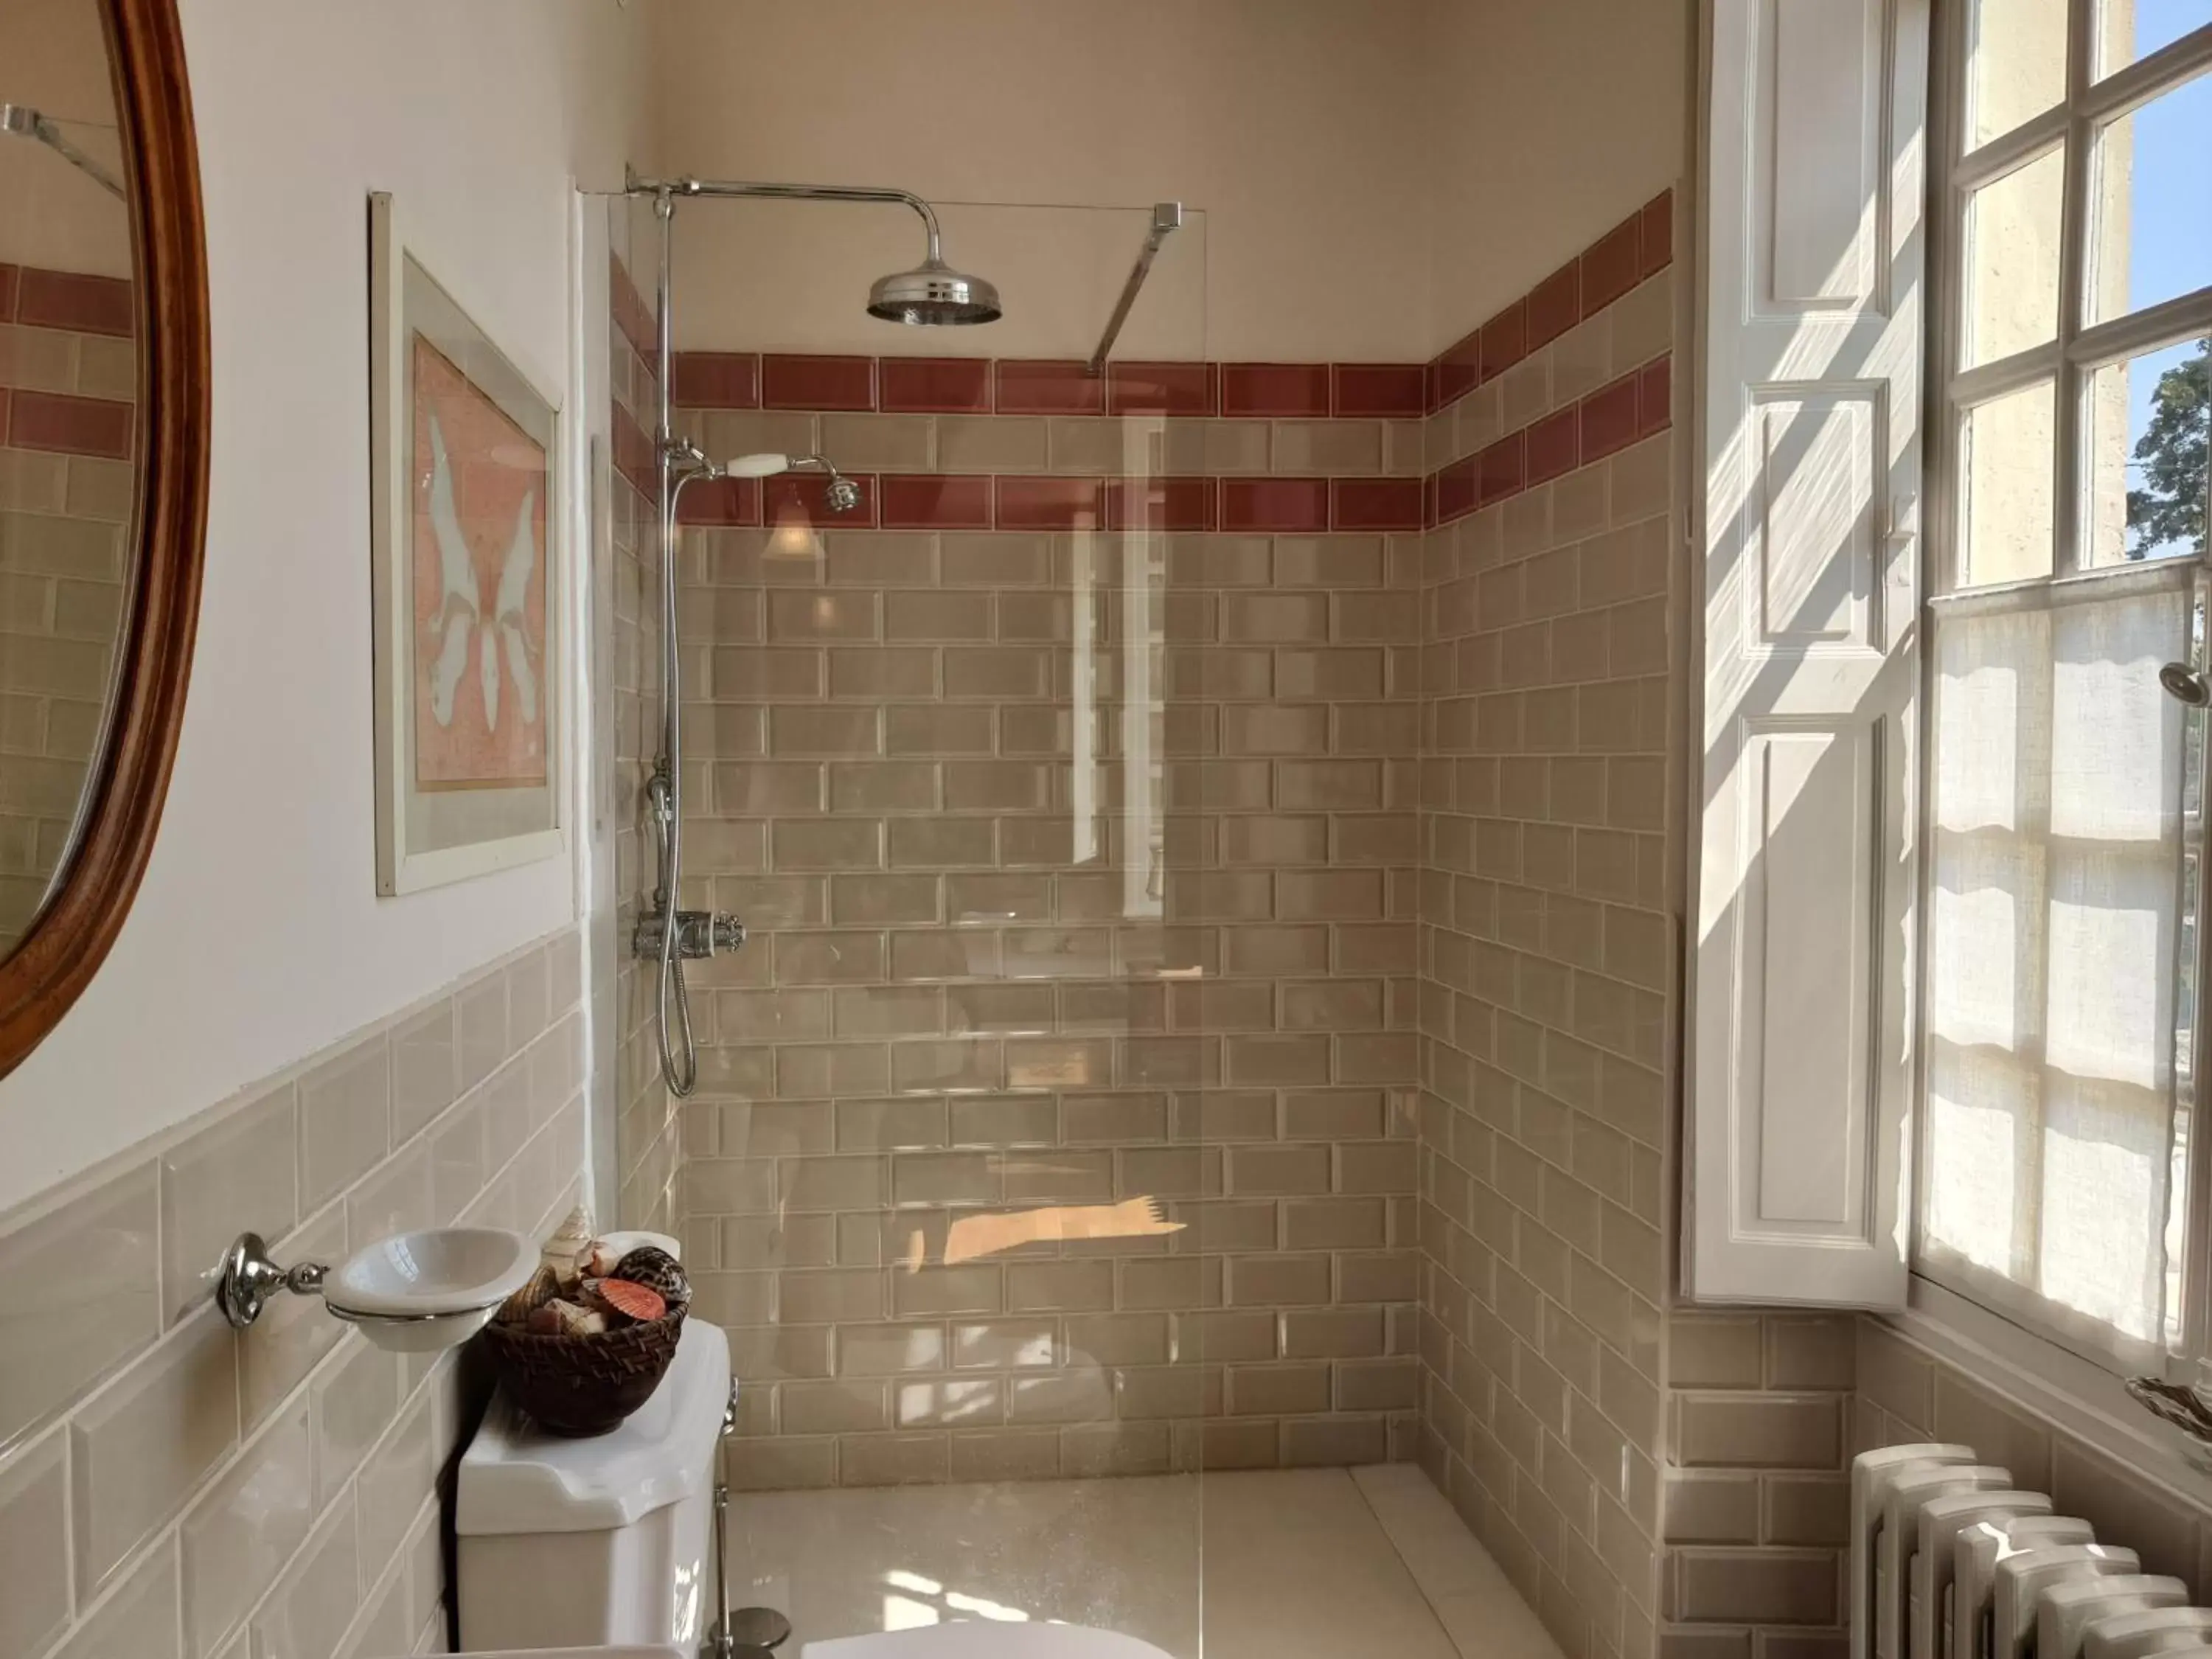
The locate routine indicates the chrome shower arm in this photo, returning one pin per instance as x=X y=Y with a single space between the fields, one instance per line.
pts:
x=756 y=191
x=27 y=123
x=1167 y=218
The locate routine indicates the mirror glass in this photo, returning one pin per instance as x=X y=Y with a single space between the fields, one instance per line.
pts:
x=69 y=434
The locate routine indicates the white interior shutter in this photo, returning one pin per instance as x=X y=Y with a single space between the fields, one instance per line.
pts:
x=1801 y=1037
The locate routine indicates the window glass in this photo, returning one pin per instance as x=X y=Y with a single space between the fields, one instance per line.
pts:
x=2130 y=29
x=2150 y=203
x=2006 y=461
x=2013 y=238
x=2146 y=432
x=2016 y=64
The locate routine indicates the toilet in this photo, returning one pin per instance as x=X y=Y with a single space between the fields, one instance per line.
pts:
x=598 y=1542
x=608 y=1542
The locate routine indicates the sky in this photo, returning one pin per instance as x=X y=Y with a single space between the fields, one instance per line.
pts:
x=2170 y=240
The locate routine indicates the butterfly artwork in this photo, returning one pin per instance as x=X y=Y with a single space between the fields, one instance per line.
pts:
x=479 y=486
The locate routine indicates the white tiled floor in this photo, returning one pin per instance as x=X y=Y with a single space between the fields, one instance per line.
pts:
x=1310 y=1563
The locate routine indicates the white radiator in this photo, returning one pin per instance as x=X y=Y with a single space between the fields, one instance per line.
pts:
x=1950 y=1561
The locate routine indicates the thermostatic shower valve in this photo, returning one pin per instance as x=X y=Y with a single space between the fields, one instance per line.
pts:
x=699 y=934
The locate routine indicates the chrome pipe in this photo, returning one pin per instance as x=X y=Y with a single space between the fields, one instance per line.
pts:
x=1167 y=219
x=688 y=186
x=679 y=1051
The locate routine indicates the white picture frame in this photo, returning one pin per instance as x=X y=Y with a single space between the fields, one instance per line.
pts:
x=459 y=794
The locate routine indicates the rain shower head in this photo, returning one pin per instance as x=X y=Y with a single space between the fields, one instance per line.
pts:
x=930 y=296
x=933 y=294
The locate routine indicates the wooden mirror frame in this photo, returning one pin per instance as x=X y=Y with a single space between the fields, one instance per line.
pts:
x=65 y=944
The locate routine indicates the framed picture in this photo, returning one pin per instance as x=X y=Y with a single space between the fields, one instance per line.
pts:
x=466 y=524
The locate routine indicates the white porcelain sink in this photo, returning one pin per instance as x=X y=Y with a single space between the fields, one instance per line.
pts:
x=416 y=1292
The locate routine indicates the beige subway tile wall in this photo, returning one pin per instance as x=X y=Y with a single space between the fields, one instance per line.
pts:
x=1549 y=923
x=68 y=489
x=647 y=1133
x=168 y=1485
x=1058 y=1118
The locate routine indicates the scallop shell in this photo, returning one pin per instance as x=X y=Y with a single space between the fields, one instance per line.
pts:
x=656 y=1270
x=570 y=1240
x=640 y=1302
x=542 y=1286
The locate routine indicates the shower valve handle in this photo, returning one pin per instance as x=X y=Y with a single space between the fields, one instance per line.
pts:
x=699 y=934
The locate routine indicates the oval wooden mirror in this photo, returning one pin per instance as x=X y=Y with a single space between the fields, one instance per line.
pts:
x=103 y=476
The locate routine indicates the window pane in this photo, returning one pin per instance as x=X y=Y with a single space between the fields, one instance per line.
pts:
x=2146 y=429
x=2016 y=64
x=2129 y=29
x=2006 y=458
x=2054 y=939
x=2150 y=205
x=2013 y=239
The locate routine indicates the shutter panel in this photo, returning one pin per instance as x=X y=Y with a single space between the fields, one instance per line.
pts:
x=1801 y=1040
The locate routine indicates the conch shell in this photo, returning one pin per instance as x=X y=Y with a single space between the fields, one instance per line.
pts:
x=564 y=1251
x=542 y=1286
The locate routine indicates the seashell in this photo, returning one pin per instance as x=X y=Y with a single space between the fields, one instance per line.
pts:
x=543 y=1285
x=570 y=1240
x=640 y=1302
x=598 y=1261
x=656 y=1270
x=563 y=1318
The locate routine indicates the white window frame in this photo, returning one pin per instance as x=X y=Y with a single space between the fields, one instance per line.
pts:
x=2054 y=1371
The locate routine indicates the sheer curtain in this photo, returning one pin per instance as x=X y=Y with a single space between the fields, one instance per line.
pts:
x=2053 y=937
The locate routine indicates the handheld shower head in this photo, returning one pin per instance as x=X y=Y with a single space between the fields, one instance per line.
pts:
x=844 y=495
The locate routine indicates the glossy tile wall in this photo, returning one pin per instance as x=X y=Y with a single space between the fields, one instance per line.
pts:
x=1058 y=1118
x=1550 y=899
x=648 y=1137
x=171 y=1489
x=68 y=383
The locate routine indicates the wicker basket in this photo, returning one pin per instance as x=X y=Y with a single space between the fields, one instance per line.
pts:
x=584 y=1385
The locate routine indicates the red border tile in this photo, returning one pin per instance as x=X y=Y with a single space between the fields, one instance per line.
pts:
x=68 y=425
x=722 y=502
x=1280 y=504
x=1654 y=391
x=1391 y=390
x=1554 y=445
x=1278 y=390
x=9 y=278
x=1500 y=469
x=71 y=300
x=1048 y=387
x=631 y=313
x=4 y=415
x=1161 y=503
x=1162 y=388
x=1608 y=419
x=1504 y=340
x=1456 y=492
x=1555 y=305
x=789 y=380
x=1375 y=503
x=1655 y=235
x=1036 y=503
x=1457 y=371
x=935 y=501
x=1610 y=266
x=714 y=380
x=934 y=385
x=805 y=497
x=633 y=453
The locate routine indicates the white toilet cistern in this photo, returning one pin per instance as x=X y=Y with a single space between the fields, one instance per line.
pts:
x=413 y=1292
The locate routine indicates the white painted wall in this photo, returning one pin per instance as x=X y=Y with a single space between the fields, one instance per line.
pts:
x=258 y=937
x=1371 y=179
x=1550 y=122
x=1289 y=123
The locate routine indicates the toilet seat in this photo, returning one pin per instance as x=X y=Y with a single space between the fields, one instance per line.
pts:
x=986 y=1638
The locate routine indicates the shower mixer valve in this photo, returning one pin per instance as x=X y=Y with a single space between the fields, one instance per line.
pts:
x=699 y=934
